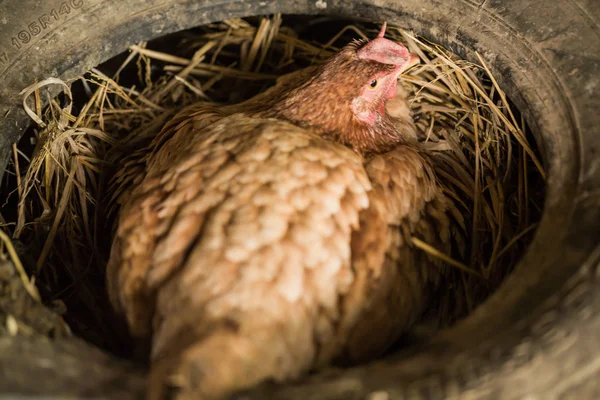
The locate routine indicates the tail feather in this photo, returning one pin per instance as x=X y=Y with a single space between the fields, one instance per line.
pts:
x=228 y=359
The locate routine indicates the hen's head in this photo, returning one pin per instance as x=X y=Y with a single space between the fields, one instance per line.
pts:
x=381 y=62
x=344 y=98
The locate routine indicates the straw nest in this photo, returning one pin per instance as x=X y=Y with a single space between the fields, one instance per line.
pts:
x=57 y=187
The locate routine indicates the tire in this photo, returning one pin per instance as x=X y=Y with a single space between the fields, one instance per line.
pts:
x=537 y=335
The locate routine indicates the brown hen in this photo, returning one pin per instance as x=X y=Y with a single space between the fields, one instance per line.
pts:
x=272 y=237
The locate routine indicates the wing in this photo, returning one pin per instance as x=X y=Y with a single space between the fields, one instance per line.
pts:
x=198 y=116
x=249 y=216
x=392 y=291
x=133 y=167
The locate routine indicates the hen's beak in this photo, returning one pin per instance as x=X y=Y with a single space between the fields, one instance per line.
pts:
x=412 y=61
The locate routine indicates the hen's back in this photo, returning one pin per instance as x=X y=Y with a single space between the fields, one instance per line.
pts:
x=236 y=249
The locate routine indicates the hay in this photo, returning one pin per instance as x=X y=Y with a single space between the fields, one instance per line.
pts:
x=480 y=145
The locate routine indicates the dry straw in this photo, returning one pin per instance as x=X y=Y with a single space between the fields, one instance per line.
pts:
x=478 y=142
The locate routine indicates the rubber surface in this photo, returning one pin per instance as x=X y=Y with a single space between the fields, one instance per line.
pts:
x=537 y=335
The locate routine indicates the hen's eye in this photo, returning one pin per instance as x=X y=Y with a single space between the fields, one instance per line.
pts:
x=374 y=83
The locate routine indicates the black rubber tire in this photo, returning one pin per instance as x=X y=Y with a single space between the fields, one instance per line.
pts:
x=539 y=334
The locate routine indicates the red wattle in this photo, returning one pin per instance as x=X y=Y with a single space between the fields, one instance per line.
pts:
x=391 y=92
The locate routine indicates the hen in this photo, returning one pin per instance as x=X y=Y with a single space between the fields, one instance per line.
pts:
x=272 y=237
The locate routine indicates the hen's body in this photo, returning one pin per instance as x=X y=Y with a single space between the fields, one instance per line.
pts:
x=255 y=249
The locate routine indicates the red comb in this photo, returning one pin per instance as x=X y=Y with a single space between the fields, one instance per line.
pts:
x=384 y=50
x=382 y=31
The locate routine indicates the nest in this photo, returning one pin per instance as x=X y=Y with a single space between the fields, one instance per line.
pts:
x=58 y=212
